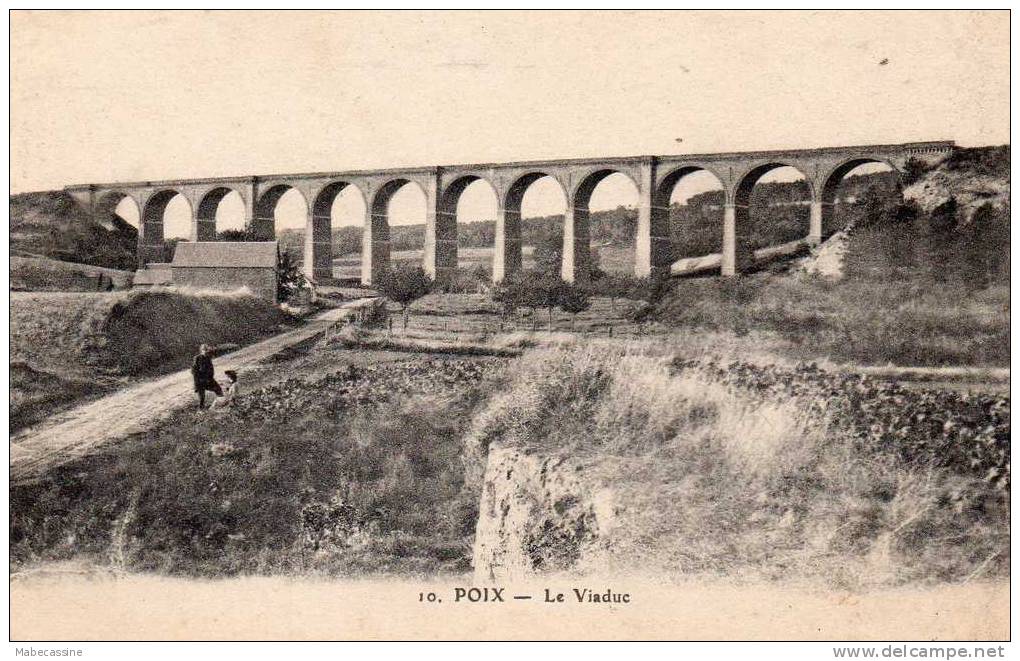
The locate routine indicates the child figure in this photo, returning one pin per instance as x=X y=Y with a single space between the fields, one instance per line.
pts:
x=229 y=393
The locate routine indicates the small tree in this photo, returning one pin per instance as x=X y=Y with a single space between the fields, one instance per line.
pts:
x=548 y=254
x=509 y=294
x=481 y=277
x=518 y=291
x=404 y=284
x=528 y=296
x=572 y=299
x=543 y=291
x=289 y=279
x=874 y=207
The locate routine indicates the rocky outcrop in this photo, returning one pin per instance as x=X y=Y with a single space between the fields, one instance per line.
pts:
x=827 y=259
x=971 y=190
x=539 y=513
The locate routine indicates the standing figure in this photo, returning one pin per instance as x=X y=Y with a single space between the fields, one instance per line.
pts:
x=204 y=375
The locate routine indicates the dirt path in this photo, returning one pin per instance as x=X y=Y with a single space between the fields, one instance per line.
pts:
x=78 y=431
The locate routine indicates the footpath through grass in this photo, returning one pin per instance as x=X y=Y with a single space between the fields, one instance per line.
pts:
x=347 y=462
x=338 y=462
x=67 y=348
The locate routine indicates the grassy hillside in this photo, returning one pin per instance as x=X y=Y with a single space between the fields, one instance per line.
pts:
x=34 y=273
x=352 y=468
x=51 y=224
x=70 y=346
x=373 y=462
x=926 y=283
x=973 y=177
x=681 y=468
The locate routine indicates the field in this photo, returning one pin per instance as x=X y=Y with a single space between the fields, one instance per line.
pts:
x=349 y=461
x=349 y=266
x=333 y=461
x=901 y=301
x=857 y=323
x=899 y=323
x=466 y=316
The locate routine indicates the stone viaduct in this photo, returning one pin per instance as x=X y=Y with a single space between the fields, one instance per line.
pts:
x=654 y=177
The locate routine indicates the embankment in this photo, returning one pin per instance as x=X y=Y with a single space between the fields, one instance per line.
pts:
x=599 y=463
x=68 y=347
x=38 y=273
x=330 y=461
x=51 y=224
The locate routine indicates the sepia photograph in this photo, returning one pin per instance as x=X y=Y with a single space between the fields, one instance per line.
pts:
x=476 y=325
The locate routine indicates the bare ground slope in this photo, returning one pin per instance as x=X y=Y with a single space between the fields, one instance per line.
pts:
x=69 y=347
x=81 y=430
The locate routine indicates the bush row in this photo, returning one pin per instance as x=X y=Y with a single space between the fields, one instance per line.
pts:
x=965 y=432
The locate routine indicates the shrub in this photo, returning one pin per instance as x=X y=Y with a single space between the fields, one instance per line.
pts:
x=989 y=161
x=876 y=208
x=471 y=280
x=236 y=235
x=543 y=291
x=510 y=294
x=572 y=299
x=289 y=279
x=983 y=248
x=913 y=170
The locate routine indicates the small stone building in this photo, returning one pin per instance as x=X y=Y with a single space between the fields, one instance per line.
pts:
x=227 y=265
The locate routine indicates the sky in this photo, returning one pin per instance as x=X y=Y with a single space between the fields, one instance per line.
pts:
x=145 y=95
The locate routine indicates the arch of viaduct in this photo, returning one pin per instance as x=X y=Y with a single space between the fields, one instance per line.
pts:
x=653 y=176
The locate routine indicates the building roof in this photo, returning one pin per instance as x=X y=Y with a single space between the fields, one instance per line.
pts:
x=225 y=254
